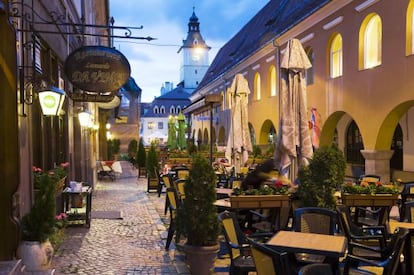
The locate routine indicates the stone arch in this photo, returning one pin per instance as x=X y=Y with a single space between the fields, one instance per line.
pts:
x=266 y=129
x=222 y=136
x=386 y=131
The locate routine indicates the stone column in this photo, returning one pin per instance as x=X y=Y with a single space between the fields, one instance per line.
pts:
x=378 y=162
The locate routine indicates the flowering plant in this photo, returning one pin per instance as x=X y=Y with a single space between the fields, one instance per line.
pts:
x=370 y=188
x=61 y=220
x=55 y=174
x=41 y=223
x=276 y=188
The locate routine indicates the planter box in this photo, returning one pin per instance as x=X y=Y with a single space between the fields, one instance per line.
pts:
x=369 y=200
x=259 y=201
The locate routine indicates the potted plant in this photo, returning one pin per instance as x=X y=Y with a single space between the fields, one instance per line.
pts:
x=153 y=167
x=38 y=225
x=197 y=217
x=321 y=178
x=369 y=194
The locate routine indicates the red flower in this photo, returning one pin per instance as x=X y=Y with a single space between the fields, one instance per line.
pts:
x=64 y=164
x=278 y=184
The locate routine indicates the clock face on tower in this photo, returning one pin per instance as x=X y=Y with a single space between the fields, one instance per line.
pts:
x=195 y=57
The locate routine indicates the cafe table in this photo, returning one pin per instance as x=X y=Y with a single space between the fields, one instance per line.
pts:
x=409 y=243
x=333 y=246
x=223 y=192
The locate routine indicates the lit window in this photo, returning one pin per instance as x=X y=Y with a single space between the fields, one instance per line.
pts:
x=336 y=56
x=372 y=40
x=272 y=80
x=309 y=72
x=409 y=48
x=150 y=125
x=257 y=91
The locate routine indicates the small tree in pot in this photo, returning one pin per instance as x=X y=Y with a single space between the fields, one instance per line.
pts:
x=38 y=225
x=153 y=167
x=324 y=175
x=197 y=217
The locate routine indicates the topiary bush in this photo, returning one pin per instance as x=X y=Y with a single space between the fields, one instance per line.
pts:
x=141 y=154
x=197 y=218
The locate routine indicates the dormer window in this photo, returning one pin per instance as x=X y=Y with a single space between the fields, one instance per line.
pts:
x=195 y=42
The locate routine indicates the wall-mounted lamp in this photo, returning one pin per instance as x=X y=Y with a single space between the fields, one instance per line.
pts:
x=85 y=119
x=51 y=101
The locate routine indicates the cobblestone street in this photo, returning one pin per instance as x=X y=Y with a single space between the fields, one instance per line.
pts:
x=131 y=245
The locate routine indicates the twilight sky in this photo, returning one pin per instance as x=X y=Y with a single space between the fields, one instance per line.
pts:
x=153 y=63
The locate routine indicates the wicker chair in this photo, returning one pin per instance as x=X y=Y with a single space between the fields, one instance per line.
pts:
x=314 y=220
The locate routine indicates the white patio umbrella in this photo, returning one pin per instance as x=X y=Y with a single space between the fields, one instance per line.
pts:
x=239 y=143
x=294 y=146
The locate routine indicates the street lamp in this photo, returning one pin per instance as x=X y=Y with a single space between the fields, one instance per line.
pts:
x=51 y=101
x=85 y=119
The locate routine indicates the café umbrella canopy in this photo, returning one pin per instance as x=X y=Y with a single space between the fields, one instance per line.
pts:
x=181 y=140
x=239 y=142
x=294 y=146
x=172 y=133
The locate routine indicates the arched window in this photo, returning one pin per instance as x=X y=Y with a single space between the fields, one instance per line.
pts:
x=223 y=101
x=397 y=145
x=309 y=72
x=178 y=109
x=409 y=47
x=354 y=144
x=257 y=84
x=272 y=80
x=162 y=110
x=336 y=56
x=155 y=110
x=370 y=41
x=172 y=109
x=228 y=99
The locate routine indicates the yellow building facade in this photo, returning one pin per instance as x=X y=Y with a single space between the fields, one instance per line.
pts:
x=359 y=89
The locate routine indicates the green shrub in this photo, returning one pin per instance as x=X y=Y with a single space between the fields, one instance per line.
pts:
x=152 y=163
x=197 y=218
x=324 y=175
x=141 y=154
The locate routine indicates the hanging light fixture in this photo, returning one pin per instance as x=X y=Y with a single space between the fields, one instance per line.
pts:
x=51 y=101
x=85 y=119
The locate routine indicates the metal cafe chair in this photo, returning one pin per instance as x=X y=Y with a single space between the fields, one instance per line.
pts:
x=409 y=211
x=316 y=269
x=269 y=261
x=314 y=220
x=358 y=234
x=241 y=261
x=388 y=262
x=166 y=180
x=407 y=194
x=173 y=206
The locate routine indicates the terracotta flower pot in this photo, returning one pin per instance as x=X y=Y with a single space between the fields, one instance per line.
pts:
x=200 y=259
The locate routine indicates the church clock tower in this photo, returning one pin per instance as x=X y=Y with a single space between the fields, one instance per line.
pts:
x=195 y=61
